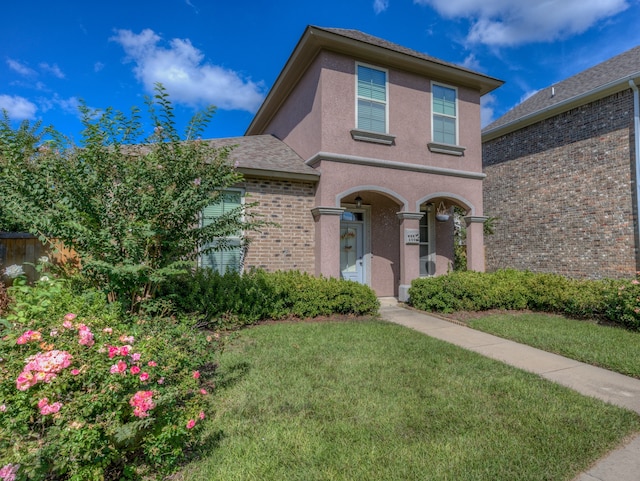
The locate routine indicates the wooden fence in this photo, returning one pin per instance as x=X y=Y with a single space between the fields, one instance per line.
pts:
x=24 y=249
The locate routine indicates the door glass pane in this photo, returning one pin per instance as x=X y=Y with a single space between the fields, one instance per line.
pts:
x=348 y=250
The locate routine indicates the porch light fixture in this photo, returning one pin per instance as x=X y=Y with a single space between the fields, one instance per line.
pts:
x=358 y=202
x=442 y=214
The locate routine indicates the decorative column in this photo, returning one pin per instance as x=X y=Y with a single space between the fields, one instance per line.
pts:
x=327 y=239
x=475 y=242
x=409 y=251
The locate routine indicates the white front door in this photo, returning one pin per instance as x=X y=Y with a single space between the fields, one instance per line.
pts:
x=352 y=251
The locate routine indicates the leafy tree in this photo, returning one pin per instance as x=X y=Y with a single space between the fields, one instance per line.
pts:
x=127 y=204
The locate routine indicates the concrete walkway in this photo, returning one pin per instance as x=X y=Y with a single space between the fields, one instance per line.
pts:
x=622 y=464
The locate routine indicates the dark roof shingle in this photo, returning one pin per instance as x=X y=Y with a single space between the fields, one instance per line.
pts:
x=264 y=153
x=616 y=69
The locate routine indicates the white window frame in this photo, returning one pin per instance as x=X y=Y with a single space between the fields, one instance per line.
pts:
x=231 y=238
x=429 y=213
x=456 y=117
x=386 y=94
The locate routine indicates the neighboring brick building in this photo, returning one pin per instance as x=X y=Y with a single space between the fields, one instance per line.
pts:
x=561 y=176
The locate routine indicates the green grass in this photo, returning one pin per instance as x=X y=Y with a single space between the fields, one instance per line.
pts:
x=612 y=348
x=369 y=400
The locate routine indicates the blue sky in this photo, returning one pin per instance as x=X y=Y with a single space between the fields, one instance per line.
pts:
x=229 y=53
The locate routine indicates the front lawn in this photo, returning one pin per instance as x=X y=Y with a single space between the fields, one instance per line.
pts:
x=612 y=348
x=365 y=400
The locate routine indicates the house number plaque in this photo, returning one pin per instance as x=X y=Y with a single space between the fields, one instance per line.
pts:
x=411 y=236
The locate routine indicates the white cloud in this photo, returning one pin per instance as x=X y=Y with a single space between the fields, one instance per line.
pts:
x=508 y=22
x=52 y=69
x=380 y=6
x=17 y=107
x=487 y=110
x=471 y=62
x=98 y=66
x=20 y=68
x=183 y=72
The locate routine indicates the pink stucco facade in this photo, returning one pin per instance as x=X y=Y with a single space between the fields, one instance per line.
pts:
x=389 y=185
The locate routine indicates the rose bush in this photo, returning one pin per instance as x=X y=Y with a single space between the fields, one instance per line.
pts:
x=84 y=397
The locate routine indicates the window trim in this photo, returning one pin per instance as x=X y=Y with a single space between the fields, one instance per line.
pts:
x=386 y=101
x=239 y=237
x=456 y=117
x=429 y=213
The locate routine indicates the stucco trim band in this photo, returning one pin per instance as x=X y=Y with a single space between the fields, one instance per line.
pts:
x=389 y=164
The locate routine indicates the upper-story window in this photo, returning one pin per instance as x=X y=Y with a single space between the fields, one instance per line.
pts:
x=445 y=114
x=371 y=99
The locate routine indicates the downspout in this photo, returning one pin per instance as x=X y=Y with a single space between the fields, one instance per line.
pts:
x=636 y=136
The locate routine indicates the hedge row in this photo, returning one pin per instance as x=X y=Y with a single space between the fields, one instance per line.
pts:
x=616 y=301
x=232 y=299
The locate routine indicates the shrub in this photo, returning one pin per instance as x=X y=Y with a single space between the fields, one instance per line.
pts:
x=622 y=301
x=88 y=397
x=614 y=301
x=236 y=299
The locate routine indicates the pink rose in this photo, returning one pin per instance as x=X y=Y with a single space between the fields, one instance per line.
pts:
x=203 y=391
x=196 y=374
x=191 y=423
x=135 y=356
x=75 y=372
x=201 y=415
x=152 y=364
x=107 y=330
x=70 y=316
x=144 y=376
x=135 y=370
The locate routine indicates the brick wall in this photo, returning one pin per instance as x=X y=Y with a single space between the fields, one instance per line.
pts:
x=563 y=192
x=290 y=244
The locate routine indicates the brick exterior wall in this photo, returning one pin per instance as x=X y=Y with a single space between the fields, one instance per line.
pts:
x=289 y=245
x=563 y=190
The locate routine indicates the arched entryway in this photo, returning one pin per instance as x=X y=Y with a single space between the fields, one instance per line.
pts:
x=369 y=222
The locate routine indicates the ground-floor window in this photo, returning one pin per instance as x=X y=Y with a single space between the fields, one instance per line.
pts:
x=427 y=242
x=229 y=256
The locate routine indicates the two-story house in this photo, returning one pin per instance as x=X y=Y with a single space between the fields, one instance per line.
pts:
x=357 y=148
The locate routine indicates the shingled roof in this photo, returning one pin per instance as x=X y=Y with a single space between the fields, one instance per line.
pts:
x=265 y=155
x=596 y=82
x=379 y=42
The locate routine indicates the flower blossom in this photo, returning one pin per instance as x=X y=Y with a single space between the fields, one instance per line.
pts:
x=14 y=271
x=144 y=376
x=118 y=368
x=70 y=316
x=152 y=364
x=46 y=408
x=191 y=423
x=142 y=402
x=196 y=374
x=9 y=471
x=29 y=336
x=127 y=339
x=134 y=370
x=42 y=367
x=86 y=336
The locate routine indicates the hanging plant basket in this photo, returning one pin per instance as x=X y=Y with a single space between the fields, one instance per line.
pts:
x=442 y=214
